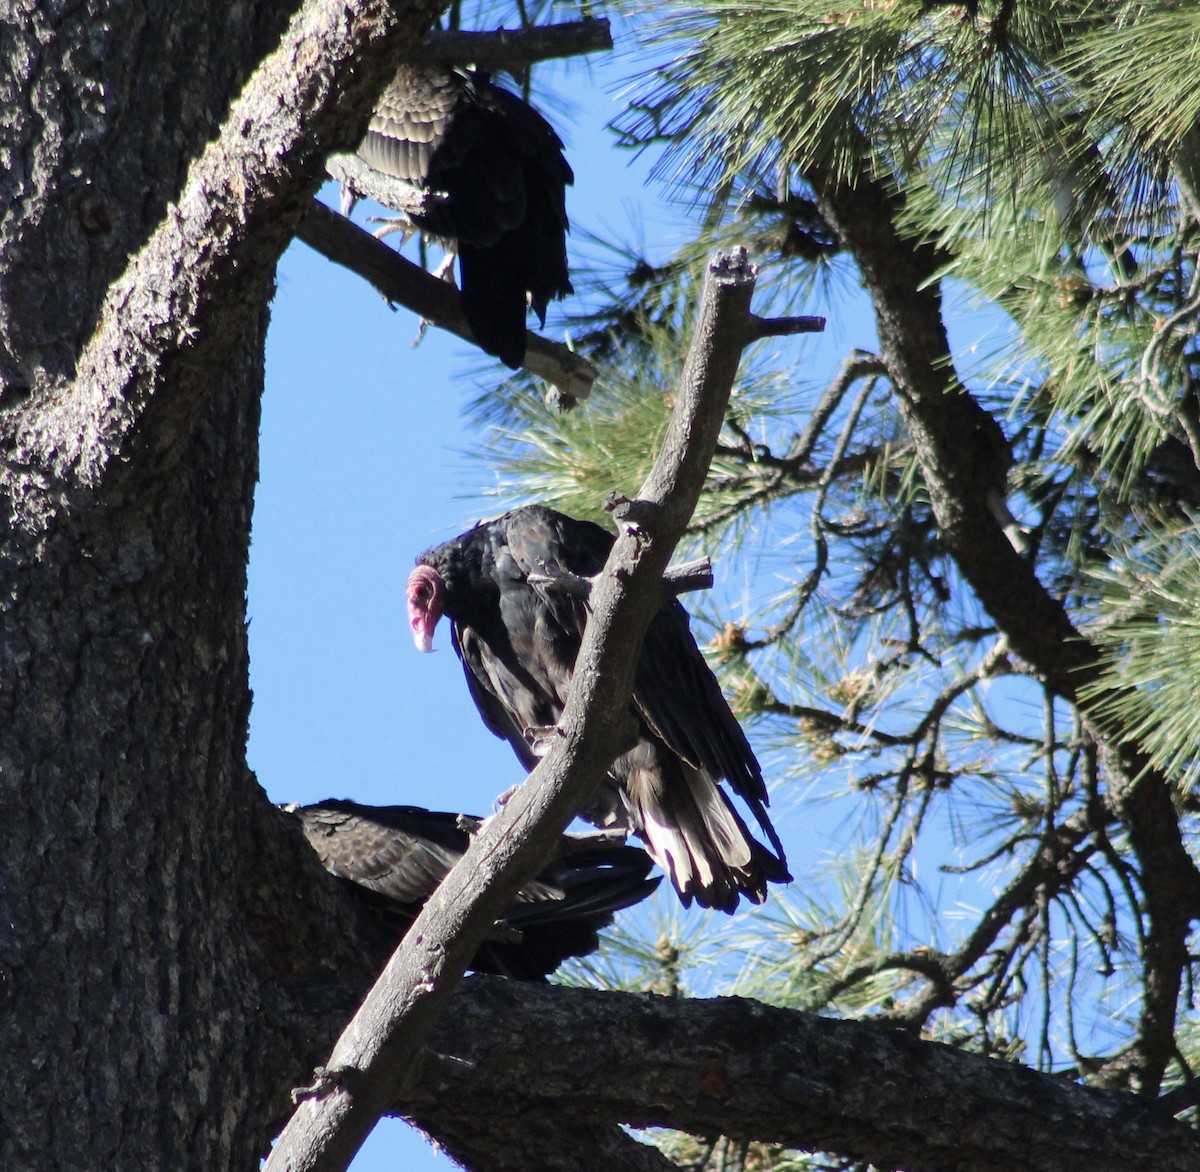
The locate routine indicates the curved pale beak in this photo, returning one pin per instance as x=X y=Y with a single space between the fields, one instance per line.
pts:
x=422 y=629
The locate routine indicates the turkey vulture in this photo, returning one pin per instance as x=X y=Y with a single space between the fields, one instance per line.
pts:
x=396 y=856
x=518 y=639
x=495 y=175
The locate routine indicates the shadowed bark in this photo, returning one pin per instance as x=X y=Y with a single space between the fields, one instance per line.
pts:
x=505 y=1055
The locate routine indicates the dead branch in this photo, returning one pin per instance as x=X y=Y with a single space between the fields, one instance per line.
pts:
x=375 y=1057
x=513 y=49
x=688 y=576
x=784 y=327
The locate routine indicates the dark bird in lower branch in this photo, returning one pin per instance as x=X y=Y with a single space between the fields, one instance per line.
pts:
x=511 y=588
x=396 y=856
x=494 y=176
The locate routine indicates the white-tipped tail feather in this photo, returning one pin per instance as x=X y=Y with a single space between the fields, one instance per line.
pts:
x=694 y=834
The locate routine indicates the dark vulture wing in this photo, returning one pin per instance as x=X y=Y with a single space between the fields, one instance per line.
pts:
x=675 y=691
x=395 y=857
x=677 y=695
x=497 y=716
x=497 y=176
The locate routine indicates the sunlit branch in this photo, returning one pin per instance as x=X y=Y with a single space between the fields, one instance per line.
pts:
x=376 y=1055
x=859 y=365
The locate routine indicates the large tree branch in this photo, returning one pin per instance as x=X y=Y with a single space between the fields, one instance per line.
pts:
x=183 y=296
x=729 y=1066
x=377 y=1052
x=739 y=1068
x=531 y=1138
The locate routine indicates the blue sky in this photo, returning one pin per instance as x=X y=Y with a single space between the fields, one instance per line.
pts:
x=365 y=464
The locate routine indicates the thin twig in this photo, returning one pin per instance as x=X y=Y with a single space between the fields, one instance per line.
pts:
x=688 y=576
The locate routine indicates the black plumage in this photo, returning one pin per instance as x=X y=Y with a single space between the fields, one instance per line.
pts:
x=395 y=856
x=518 y=640
x=496 y=180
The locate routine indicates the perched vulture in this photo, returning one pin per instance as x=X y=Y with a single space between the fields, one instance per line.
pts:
x=396 y=856
x=495 y=175
x=518 y=639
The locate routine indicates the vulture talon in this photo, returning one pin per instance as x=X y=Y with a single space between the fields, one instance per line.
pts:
x=507 y=796
x=389 y=225
x=445 y=268
x=542 y=738
x=574 y=584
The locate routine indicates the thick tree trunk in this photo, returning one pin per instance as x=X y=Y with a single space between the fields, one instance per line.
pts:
x=124 y=663
x=142 y=1021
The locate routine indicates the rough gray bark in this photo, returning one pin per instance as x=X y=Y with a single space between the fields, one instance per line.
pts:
x=513 y=1070
x=729 y=1066
x=131 y=335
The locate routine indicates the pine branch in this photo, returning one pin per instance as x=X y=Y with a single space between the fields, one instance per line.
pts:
x=963 y=458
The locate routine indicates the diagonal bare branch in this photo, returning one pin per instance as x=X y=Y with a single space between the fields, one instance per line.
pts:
x=399 y=280
x=377 y=1053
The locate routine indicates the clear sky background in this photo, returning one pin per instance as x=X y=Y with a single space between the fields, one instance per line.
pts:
x=363 y=466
